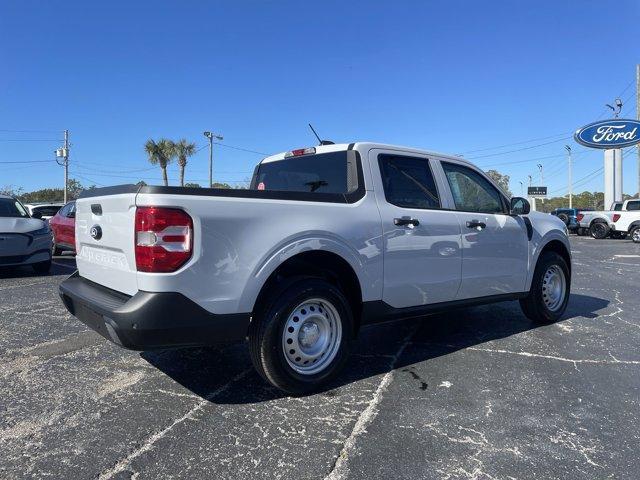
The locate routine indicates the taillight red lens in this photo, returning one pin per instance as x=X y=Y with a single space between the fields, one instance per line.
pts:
x=580 y=216
x=164 y=239
x=616 y=217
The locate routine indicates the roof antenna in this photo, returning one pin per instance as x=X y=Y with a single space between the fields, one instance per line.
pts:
x=320 y=142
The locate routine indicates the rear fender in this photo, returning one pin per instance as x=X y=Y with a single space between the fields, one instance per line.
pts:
x=370 y=285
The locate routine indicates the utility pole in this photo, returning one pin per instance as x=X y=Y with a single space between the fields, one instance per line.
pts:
x=211 y=136
x=521 y=188
x=64 y=154
x=568 y=148
x=66 y=163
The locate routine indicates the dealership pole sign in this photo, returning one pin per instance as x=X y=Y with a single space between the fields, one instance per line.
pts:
x=608 y=134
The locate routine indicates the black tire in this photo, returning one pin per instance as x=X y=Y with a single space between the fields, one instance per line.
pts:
x=581 y=232
x=534 y=305
x=635 y=234
x=564 y=217
x=55 y=251
x=42 y=267
x=266 y=334
x=618 y=235
x=599 y=230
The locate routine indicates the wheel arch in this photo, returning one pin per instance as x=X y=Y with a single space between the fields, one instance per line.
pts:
x=557 y=243
x=323 y=264
x=558 y=247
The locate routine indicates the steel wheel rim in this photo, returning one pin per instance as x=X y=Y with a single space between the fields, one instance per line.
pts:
x=311 y=336
x=636 y=235
x=554 y=287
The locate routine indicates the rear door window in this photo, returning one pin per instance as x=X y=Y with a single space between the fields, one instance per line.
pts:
x=408 y=182
x=334 y=172
x=633 y=205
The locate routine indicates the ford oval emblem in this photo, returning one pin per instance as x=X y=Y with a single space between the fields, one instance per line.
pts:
x=96 y=232
x=616 y=133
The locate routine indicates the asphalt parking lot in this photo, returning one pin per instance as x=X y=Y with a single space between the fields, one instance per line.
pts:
x=476 y=393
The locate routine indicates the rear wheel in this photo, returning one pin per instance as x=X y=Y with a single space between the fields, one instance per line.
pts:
x=635 y=235
x=580 y=232
x=618 y=235
x=549 y=294
x=564 y=217
x=301 y=338
x=599 y=230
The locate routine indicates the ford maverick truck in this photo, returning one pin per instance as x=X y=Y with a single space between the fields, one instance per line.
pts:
x=325 y=240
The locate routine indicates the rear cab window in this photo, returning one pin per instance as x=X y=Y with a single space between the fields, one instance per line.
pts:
x=633 y=205
x=408 y=182
x=332 y=172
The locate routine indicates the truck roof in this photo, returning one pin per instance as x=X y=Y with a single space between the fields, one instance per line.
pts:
x=367 y=146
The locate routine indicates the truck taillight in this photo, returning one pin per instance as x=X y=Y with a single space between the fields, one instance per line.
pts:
x=616 y=217
x=164 y=239
x=580 y=216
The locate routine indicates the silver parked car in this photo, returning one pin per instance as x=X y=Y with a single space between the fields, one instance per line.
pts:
x=23 y=240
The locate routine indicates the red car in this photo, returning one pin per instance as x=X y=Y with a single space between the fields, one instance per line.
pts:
x=63 y=226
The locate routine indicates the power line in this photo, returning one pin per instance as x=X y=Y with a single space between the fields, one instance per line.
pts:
x=520 y=149
x=28 y=161
x=516 y=143
x=31 y=131
x=242 y=149
x=30 y=140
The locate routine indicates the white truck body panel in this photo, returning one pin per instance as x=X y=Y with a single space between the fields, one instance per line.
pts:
x=239 y=242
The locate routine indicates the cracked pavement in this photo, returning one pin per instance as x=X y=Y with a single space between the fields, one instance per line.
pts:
x=474 y=393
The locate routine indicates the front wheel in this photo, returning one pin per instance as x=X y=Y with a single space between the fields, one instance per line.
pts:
x=549 y=294
x=301 y=339
x=635 y=235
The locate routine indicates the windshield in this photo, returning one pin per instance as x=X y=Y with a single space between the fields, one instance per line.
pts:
x=12 y=208
x=333 y=172
x=46 y=211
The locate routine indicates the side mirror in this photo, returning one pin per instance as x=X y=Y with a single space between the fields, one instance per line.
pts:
x=520 y=206
x=37 y=215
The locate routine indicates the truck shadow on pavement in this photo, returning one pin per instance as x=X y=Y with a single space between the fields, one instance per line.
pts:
x=210 y=372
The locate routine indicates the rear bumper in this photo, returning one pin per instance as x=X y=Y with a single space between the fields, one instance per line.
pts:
x=149 y=320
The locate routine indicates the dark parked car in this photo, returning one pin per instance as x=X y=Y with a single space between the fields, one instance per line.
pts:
x=569 y=217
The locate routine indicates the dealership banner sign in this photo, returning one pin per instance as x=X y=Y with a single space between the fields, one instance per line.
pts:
x=616 y=133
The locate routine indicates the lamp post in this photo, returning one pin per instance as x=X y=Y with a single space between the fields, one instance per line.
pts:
x=211 y=136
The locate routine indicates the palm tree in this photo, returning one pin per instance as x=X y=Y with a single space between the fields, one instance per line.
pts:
x=160 y=153
x=183 y=150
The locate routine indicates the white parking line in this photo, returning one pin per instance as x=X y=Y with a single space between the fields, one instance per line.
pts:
x=626 y=256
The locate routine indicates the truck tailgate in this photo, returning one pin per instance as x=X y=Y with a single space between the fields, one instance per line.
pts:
x=105 y=241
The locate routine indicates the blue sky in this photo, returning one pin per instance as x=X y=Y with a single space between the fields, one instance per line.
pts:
x=451 y=76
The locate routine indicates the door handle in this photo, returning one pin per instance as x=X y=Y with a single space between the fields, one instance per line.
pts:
x=406 y=221
x=476 y=224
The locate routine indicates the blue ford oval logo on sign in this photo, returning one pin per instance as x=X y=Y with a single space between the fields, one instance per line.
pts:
x=616 y=133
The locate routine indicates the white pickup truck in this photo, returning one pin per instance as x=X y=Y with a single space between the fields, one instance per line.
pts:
x=325 y=240
x=627 y=223
x=599 y=223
